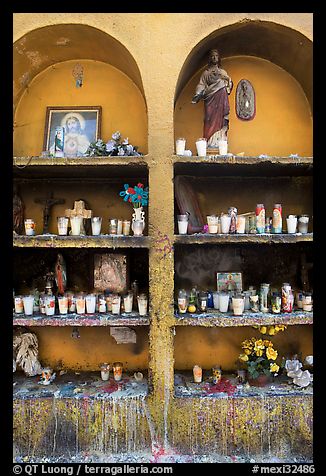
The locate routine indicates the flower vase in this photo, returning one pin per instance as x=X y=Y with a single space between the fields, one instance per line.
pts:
x=138 y=216
x=261 y=381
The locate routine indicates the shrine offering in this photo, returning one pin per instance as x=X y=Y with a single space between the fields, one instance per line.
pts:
x=212 y=221
x=116 y=300
x=225 y=223
x=291 y=223
x=232 y=212
x=113 y=226
x=201 y=146
x=63 y=304
x=119 y=227
x=260 y=218
x=29 y=227
x=303 y=221
x=80 y=304
x=238 y=305
x=264 y=297
x=287 y=298
x=217 y=375
x=126 y=227
x=224 y=302
x=49 y=305
x=19 y=305
x=76 y=223
x=307 y=301
x=28 y=302
x=276 y=303
x=277 y=218
x=223 y=147
x=142 y=304
x=127 y=301
x=62 y=225
x=240 y=224
x=183 y=224
x=182 y=301
x=101 y=303
x=96 y=225
x=117 y=371
x=198 y=373
x=216 y=299
x=105 y=371
x=180 y=145
x=137 y=228
x=90 y=303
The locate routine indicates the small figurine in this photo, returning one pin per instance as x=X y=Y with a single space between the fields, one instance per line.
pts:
x=47 y=376
x=18 y=212
x=60 y=274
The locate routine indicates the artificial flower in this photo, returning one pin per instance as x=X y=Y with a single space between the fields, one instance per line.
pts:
x=263 y=329
x=271 y=353
x=244 y=357
x=274 y=367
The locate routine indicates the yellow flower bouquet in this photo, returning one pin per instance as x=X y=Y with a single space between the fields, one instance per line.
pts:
x=260 y=357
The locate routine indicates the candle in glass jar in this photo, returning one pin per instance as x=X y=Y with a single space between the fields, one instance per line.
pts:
x=303 y=223
x=62 y=225
x=198 y=373
x=126 y=227
x=201 y=146
x=180 y=145
x=80 y=304
x=63 y=304
x=142 y=304
x=19 y=305
x=117 y=371
x=96 y=225
x=116 y=304
x=29 y=227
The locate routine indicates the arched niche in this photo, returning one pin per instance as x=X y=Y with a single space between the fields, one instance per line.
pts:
x=44 y=60
x=277 y=60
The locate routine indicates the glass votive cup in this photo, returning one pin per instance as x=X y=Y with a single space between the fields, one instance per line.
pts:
x=246 y=295
x=19 y=304
x=90 y=303
x=291 y=223
x=201 y=146
x=216 y=300
x=49 y=305
x=303 y=222
x=113 y=226
x=197 y=373
x=142 y=304
x=117 y=371
x=62 y=223
x=101 y=303
x=108 y=299
x=128 y=301
x=254 y=302
x=241 y=224
x=212 y=222
x=63 y=304
x=298 y=299
x=75 y=223
x=119 y=227
x=223 y=147
x=28 y=303
x=29 y=226
x=182 y=301
x=71 y=302
x=276 y=303
x=217 y=374
x=238 y=305
x=183 y=224
x=80 y=304
x=116 y=301
x=126 y=227
x=105 y=371
x=202 y=301
x=96 y=225
x=137 y=228
x=307 y=302
x=224 y=302
x=42 y=303
x=180 y=145
x=225 y=223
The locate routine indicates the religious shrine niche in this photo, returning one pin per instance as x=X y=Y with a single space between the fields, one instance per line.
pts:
x=245 y=100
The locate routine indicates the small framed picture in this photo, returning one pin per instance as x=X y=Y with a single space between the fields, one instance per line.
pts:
x=229 y=282
x=76 y=126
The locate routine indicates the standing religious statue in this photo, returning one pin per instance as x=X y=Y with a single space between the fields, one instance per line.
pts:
x=18 y=212
x=214 y=87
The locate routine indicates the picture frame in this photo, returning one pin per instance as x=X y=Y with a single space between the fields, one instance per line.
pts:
x=81 y=125
x=229 y=282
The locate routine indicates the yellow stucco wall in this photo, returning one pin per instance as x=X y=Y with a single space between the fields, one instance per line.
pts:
x=123 y=106
x=282 y=124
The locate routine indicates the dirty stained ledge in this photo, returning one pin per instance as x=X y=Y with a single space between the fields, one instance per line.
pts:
x=87 y=241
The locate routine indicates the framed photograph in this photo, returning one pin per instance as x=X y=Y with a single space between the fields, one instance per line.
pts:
x=70 y=129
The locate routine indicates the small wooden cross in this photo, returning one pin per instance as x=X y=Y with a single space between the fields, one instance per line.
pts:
x=48 y=203
x=79 y=210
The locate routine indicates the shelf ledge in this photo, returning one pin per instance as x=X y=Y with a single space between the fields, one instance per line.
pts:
x=218 y=319
x=206 y=238
x=101 y=241
x=81 y=320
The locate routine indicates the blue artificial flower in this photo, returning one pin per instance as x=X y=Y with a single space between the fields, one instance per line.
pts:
x=121 y=151
x=140 y=196
x=110 y=146
x=127 y=192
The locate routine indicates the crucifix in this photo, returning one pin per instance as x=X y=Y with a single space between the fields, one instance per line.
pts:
x=79 y=210
x=48 y=203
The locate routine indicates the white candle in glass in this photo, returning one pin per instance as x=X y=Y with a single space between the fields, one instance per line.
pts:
x=28 y=302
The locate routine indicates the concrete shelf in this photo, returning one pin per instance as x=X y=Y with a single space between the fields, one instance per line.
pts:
x=218 y=319
x=101 y=241
x=81 y=320
x=206 y=238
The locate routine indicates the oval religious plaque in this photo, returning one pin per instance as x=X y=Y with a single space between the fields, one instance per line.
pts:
x=245 y=102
